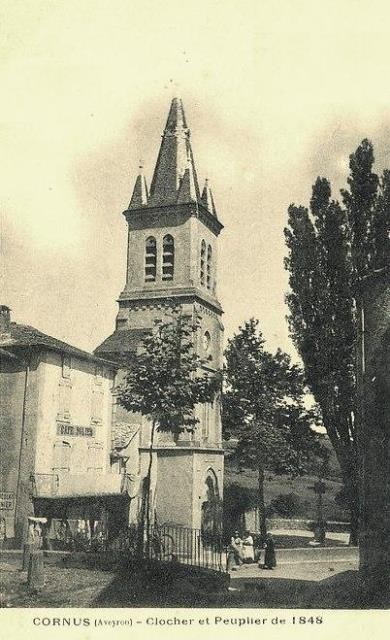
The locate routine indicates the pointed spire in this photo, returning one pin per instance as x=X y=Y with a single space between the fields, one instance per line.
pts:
x=172 y=161
x=207 y=198
x=176 y=117
x=140 y=193
x=187 y=189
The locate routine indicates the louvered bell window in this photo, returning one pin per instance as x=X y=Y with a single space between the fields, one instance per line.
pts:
x=168 y=258
x=150 y=259
x=202 y=262
x=209 y=267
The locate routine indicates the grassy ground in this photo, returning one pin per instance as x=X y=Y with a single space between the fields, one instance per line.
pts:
x=63 y=587
x=276 y=485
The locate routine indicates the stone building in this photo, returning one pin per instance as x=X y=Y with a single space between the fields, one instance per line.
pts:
x=374 y=436
x=56 y=441
x=173 y=232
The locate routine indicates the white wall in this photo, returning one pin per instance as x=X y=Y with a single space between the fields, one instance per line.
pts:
x=81 y=381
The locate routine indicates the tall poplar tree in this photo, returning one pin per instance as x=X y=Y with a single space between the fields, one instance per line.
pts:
x=322 y=322
x=330 y=249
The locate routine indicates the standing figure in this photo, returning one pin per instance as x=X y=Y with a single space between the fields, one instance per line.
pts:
x=269 y=556
x=247 y=547
x=235 y=555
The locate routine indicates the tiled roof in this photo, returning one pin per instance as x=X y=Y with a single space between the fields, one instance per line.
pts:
x=21 y=335
x=123 y=434
x=121 y=343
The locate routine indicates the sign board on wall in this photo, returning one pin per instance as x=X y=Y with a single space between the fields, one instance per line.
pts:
x=64 y=429
x=7 y=501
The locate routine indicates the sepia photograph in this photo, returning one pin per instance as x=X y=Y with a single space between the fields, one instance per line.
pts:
x=194 y=315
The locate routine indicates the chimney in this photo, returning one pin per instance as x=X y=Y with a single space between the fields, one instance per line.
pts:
x=5 y=318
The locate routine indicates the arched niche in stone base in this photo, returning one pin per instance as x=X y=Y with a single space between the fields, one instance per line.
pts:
x=211 y=513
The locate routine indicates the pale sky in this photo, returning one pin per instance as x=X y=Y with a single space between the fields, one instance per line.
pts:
x=275 y=93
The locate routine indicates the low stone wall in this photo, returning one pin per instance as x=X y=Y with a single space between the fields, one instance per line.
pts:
x=317 y=554
x=292 y=524
x=296 y=525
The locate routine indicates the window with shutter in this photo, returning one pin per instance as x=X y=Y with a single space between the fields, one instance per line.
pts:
x=61 y=456
x=64 y=400
x=95 y=457
x=97 y=404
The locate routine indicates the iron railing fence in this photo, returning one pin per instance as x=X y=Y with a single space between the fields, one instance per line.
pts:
x=165 y=543
x=183 y=545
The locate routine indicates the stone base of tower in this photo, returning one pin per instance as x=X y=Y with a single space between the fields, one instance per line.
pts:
x=187 y=485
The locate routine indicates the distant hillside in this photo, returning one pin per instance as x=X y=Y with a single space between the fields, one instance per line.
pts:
x=281 y=485
x=334 y=472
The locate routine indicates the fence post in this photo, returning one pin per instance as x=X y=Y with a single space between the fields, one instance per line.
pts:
x=36 y=576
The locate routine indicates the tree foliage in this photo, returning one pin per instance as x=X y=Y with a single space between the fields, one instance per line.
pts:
x=166 y=379
x=263 y=409
x=381 y=224
x=330 y=248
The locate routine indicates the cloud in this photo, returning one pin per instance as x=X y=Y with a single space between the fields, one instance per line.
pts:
x=275 y=94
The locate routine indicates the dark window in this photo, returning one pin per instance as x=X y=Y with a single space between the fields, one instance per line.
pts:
x=150 y=259
x=209 y=265
x=168 y=258
x=202 y=262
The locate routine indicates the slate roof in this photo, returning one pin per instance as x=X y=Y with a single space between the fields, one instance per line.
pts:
x=22 y=335
x=121 y=343
x=140 y=193
x=174 y=179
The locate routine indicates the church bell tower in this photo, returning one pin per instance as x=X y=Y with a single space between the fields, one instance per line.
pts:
x=173 y=232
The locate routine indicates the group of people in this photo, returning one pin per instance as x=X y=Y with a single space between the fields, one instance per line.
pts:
x=242 y=550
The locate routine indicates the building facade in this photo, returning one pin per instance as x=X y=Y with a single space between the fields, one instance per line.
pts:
x=56 y=433
x=172 y=252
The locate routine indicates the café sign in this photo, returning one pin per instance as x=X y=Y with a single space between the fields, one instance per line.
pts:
x=64 y=429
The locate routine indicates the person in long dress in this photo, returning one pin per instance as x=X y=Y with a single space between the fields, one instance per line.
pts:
x=269 y=556
x=247 y=547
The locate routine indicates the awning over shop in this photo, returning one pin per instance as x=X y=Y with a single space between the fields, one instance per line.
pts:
x=66 y=485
